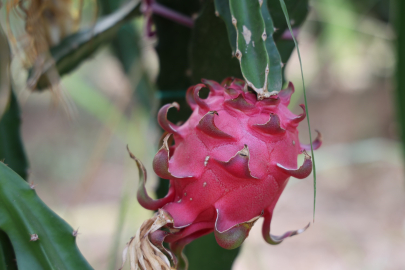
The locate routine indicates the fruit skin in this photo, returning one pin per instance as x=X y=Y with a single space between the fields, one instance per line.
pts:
x=229 y=164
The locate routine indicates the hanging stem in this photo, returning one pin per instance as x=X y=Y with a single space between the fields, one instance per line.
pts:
x=170 y=14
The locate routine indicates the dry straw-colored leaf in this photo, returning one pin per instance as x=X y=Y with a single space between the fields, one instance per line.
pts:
x=143 y=255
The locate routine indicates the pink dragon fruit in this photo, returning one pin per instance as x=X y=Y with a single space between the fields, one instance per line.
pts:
x=227 y=167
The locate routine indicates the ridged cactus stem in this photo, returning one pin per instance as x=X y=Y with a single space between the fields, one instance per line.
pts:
x=256 y=50
x=40 y=238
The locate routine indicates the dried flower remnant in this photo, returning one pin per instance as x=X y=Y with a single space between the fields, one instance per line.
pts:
x=46 y=23
x=146 y=249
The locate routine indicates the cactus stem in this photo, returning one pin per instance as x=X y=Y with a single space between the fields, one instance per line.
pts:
x=170 y=14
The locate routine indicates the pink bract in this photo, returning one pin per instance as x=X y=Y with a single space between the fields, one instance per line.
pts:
x=228 y=166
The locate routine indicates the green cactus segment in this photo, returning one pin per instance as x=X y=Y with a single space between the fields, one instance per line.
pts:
x=279 y=48
x=40 y=238
x=256 y=50
x=207 y=247
x=76 y=48
x=222 y=10
x=250 y=44
x=275 y=78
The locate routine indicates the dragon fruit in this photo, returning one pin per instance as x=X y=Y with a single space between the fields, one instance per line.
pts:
x=227 y=166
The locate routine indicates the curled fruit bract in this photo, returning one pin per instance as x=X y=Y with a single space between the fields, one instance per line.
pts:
x=227 y=167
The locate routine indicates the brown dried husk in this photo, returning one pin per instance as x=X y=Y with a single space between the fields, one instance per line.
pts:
x=142 y=253
x=46 y=23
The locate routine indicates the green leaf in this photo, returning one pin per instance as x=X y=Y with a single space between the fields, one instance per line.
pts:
x=211 y=54
x=285 y=11
x=23 y=214
x=76 y=48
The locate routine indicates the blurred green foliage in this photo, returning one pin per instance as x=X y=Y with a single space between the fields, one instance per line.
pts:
x=24 y=217
x=11 y=147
